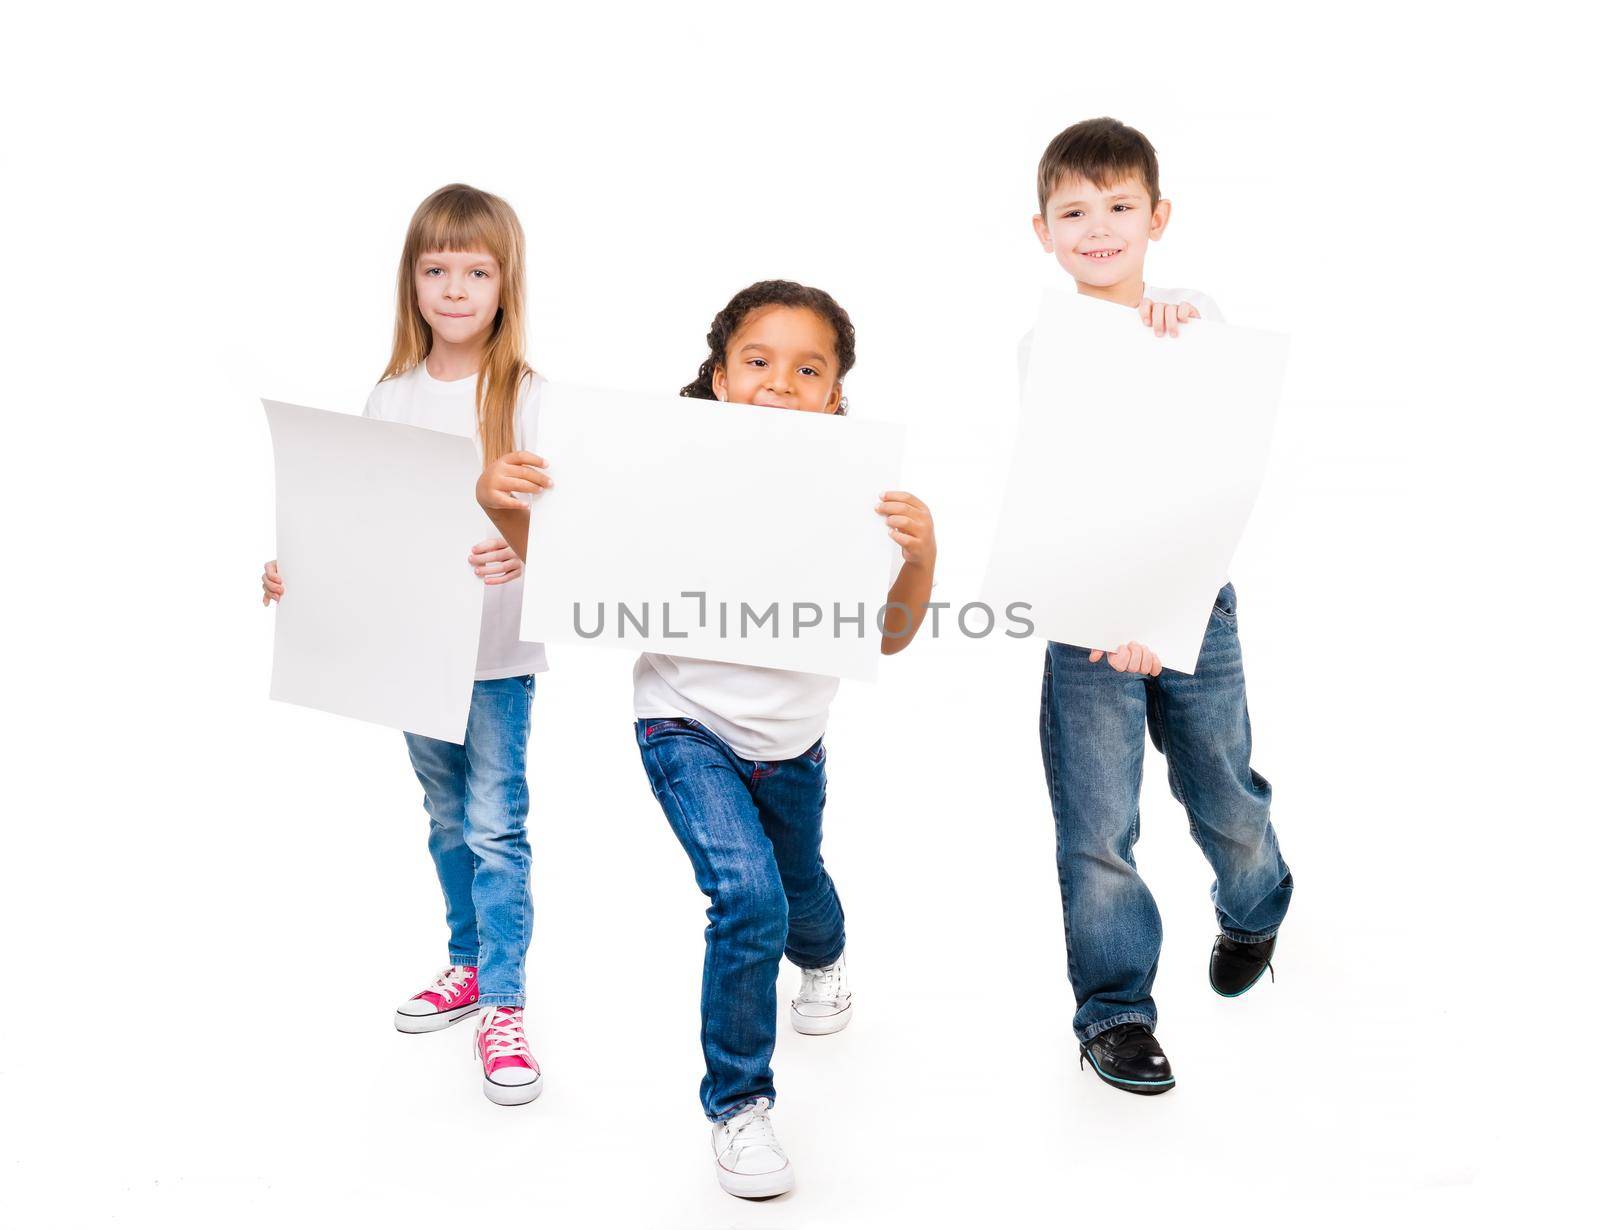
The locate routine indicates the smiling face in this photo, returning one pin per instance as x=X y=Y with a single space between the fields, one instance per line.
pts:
x=458 y=294
x=1099 y=235
x=782 y=357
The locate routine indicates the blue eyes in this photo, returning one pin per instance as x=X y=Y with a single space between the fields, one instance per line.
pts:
x=476 y=273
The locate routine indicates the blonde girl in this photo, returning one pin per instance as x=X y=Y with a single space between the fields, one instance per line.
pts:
x=457 y=366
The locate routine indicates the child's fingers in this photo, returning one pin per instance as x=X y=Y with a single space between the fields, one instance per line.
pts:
x=1096 y=654
x=519 y=484
x=901 y=497
x=1188 y=311
x=1145 y=306
x=530 y=474
x=521 y=457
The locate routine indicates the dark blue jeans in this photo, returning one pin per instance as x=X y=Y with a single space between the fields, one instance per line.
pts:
x=1091 y=728
x=476 y=795
x=753 y=832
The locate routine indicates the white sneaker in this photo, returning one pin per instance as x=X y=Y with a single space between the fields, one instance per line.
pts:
x=750 y=1161
x=823 y=1005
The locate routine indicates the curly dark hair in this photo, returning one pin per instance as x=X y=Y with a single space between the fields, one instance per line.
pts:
x=775 y=293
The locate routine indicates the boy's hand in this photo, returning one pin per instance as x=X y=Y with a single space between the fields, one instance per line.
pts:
x=1134 y=657
x=1165 y=318
x=910 y=525
x=504 y=478
x=495 y=561
x=271 y=584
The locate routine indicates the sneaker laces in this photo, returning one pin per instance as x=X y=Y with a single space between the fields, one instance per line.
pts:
x=500 y=1035
x=824 y=985
x=449 y=982
x=751 y=1128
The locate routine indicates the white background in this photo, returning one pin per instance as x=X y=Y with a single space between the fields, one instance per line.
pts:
x=212 y=903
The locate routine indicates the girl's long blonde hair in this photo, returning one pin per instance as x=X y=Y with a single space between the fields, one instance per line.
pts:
x=458 y=218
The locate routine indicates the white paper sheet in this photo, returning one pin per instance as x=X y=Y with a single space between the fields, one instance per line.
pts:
x=380 y=614
x=656 y=496
x=1137 y=463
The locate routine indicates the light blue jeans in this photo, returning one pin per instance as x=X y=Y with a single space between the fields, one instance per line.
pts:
x=1091 y=726
x=476 y=797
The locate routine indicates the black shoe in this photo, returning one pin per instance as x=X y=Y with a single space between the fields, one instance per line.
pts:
x=1129 y=1057
x=1236 y=967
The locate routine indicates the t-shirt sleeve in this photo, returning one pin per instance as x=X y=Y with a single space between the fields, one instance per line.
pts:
x=1207 y=307
x=1024 y=353
x=374 y=401
x=525 y=430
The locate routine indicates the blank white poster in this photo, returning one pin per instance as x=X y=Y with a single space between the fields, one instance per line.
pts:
x=380 y=613
x=1137 y=462
x=707 y=530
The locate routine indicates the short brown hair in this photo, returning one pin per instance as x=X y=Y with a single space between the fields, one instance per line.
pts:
x=1101 y=151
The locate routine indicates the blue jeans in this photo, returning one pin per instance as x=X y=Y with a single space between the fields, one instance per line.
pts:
x=753 y=832
x=476 y=796
x=1091 y=728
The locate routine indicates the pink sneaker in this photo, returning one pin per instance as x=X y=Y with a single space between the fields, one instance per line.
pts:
x=510 y=1075
x=453 y=995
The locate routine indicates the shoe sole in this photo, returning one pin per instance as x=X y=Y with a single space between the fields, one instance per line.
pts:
x=756 y=1186
x=1146 y=1088
x=1241 y=990
x=434 y=1020
x=818 y=1025
x=513 y=1095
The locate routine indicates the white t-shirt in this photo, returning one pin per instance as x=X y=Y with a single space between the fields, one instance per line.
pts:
x=1204 y=303
x=417 y=399
x=760 y=712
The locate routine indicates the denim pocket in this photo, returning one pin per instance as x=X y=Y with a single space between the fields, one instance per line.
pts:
x=658 y=725
x=1226 y=607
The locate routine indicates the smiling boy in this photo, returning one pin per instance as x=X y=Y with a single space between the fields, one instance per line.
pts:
x=1100 y=207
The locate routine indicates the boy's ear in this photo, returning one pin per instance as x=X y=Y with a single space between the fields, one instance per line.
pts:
x=1042 y=230
x=719 y=382
x=835 y=397
x=1159 y=216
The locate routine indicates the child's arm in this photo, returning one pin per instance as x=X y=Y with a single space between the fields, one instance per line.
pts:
x=910 y=525
x=499 y=487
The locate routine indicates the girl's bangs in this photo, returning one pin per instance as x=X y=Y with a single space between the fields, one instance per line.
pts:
x=461 y=226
